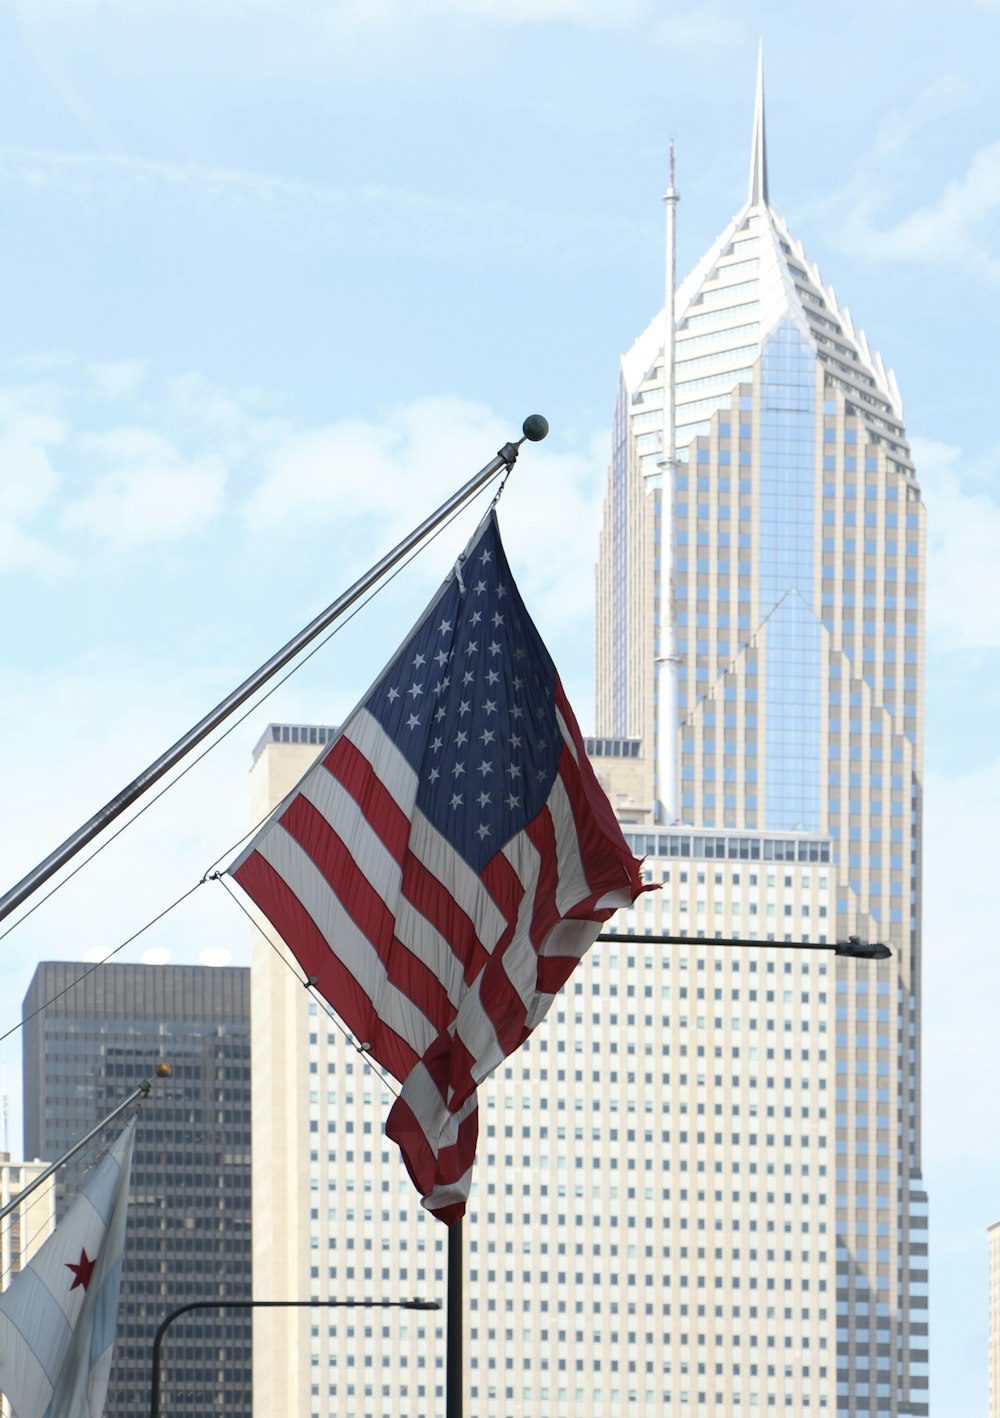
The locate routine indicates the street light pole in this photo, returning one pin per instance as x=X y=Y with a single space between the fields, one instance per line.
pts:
x=154 y=1394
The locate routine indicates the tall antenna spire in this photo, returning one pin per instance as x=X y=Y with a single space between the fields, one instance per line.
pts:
x=758 y=148
x=668 y=802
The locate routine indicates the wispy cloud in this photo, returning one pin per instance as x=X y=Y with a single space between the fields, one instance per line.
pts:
x=29 y=483
x=76 y=483
x=957 y=225
x=375 y=216
x=385 y=474
x=960 y=1021
x=357 y=468
x=21 y=552
x=153 y=493
x=963 y=607
x=937 y=101
x=705 y=27
x=116 y=378
x=309 y=19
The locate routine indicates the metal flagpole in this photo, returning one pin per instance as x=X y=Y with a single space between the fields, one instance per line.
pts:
x=135 y=1097
x=534 y=429
x=454 y=1323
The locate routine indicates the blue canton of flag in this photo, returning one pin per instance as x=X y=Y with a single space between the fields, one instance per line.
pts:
x=470 y=701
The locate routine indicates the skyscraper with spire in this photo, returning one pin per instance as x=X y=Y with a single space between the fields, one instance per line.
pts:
x=760 y=616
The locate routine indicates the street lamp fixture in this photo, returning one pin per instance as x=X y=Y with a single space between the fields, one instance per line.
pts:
x=857 y=949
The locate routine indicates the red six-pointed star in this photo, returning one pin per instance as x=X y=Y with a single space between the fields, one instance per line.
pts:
x=82 y=1269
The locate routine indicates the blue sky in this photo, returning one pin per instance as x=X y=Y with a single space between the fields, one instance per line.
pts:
x=276 y=277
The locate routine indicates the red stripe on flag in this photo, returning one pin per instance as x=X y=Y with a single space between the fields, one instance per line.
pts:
x=498 y=996
x=448 y=1061
x=427 y=1171
x=602 y=845
x=433 y=899
x=507 y=1011
x=545 y=913
x=353 y=771
x=334 y=859
x=334 y=980
x=553 y=970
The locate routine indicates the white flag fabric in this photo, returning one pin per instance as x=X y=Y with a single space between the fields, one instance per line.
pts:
x=58 y=1315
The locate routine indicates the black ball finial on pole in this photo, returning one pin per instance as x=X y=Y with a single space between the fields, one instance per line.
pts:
x=535 y=427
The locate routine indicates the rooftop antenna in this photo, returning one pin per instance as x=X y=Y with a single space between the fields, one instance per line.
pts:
x=666 y=659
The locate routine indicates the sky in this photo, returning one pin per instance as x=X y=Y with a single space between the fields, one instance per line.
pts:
x=276 y=276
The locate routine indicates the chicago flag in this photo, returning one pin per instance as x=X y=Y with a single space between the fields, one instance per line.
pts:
x=58 y=1315
x=444 y=865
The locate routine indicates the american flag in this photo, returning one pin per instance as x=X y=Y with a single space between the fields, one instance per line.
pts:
x=447 y=861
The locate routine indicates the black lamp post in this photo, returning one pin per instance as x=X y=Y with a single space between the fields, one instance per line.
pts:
x=154 y=1395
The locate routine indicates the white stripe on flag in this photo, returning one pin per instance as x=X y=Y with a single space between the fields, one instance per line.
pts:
x=429 y=946
x=346 y=941
x=477 y=1032
x=573 y=885
x=387 y=762
x=460 y=881
x=611 y=900
x=439 y=1125
x=567 y=736
x=457 y=1194
x=474 y=1025
x=377 y=864
x=341 y=811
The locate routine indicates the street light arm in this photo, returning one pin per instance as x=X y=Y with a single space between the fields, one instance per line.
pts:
x=154 y=1392
x=853 y=947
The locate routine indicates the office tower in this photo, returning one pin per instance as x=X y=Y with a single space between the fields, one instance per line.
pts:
x=90 y=1037
x=760 y=726
x=993 y=1235
x=26 y=1226
x=335 y=1215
